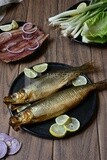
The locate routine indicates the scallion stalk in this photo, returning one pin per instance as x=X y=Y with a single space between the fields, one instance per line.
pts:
x=70 y=22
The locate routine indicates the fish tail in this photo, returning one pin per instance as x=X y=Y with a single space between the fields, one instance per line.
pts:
x=100 y=85
x=88 y=67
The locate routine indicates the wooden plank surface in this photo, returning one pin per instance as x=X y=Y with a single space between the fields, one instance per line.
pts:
x=91 y=144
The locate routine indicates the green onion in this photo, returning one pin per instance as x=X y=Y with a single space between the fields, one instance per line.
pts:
x=71 y=22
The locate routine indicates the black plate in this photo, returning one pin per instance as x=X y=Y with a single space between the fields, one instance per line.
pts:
x=35 y=54
x=84 y=112
x=79 y=38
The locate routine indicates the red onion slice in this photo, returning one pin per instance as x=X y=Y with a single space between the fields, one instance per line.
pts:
x=27 y=26
x=13 y=146
x=3 y=149
x=13 y=52
x=9 y=146
x=26 y=37
x=28 y=30
x=4 y=137
x=6 y=33
x=11 y=44
x=35 y=47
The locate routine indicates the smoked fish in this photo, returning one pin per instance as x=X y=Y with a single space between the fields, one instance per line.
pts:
x=54 y=105
x=47 y=84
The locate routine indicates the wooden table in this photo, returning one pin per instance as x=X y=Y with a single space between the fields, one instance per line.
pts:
x=91 y=144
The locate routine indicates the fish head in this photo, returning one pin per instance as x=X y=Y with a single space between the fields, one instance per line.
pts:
x=22 y=118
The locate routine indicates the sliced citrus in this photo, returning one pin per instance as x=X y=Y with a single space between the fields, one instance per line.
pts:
x=62 y=119
x=80 y=80
x=81 y=6
x=30 y=73
x=73 y=126
x=40 y=67
x=58 y=131
x=6 y=28
x=14 y=24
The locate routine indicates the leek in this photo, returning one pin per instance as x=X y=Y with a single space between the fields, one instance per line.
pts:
x=71 y=22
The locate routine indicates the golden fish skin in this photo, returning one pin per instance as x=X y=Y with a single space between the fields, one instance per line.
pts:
x=54 y=105
x=47 y=84
x=18 y=108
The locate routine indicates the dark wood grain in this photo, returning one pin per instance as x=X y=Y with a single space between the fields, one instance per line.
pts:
x=100 y=55
x=91 y=143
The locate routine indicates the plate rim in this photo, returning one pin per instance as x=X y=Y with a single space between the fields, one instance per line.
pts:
x=68 y=135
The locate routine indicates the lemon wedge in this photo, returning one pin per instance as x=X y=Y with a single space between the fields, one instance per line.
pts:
x=81 y=6
x=62 y=119
x=30 y=73
x=9 y=27
x=40 y=67
x=6 y=28
x=58 y=131
x=73 y=126
x=80 y=80
x=14 y=24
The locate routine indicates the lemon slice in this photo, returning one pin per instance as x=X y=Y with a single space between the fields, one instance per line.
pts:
x=80 y=80
x=81 y=6
x=5 y=28
x=73 y=126
x=30 y=73
x=40 y=67
x=58 y=131
x=14 y=24
x=62 y=119
x=9 y=27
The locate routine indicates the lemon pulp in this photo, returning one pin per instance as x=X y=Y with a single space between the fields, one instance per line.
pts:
x=62 y=119
x=6 y=27
x=40 y=67
x=57 y=130
x=73 y=126
x=30 y=73
x=14 y=24
x=80 y=80
x=81 y=6
x=9 y=27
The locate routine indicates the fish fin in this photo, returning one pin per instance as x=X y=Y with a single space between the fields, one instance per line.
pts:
x=88 y=67
x=101 y=85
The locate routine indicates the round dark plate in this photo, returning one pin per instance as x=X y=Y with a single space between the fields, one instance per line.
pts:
x=84 y=112
x=35 y=54
x=79 y=38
